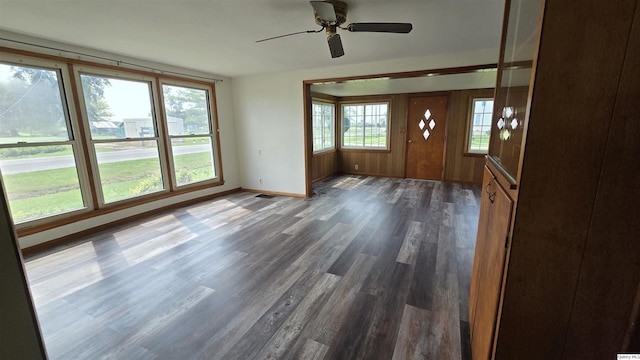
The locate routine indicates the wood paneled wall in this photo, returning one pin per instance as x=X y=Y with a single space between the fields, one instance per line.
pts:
x=324 y=165
x=460 y=166
x=375 y=162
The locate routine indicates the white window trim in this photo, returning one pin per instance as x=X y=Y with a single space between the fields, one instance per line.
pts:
x=470 y=119
x=388 y=131
x=335 y=123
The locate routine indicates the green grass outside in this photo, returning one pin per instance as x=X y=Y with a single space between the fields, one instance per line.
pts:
x=192 y=168
x=45 y=205
x=192 y=141
x=48 y=192
x=368 y=140
x=479 y=140
x=114 y=191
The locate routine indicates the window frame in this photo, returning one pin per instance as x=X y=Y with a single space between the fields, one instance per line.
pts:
x=213 y=134
x=363 y=102
x=74 y=139
x=469 y=125
x=87 y=174
x=90 y=142
x=335 y=128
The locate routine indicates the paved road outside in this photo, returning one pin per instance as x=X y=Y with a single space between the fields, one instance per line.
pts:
x=57 y=162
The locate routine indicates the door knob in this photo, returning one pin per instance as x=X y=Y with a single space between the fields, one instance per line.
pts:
x=409 y=141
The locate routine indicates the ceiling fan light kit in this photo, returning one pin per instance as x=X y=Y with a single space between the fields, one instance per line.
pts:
x=331 y=14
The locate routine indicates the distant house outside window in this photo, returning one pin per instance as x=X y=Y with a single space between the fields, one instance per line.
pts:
x=323 y=116
x=128 y=161
x=480 y=126
x=365 y=126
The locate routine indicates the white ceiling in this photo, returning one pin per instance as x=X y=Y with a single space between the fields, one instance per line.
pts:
x=218 y=36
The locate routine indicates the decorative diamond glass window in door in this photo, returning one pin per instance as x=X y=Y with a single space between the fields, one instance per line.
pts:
x=422 y=124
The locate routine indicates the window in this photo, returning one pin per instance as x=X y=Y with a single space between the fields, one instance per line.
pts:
x=480 y=125
x=38 y=149
x=365 y=126
x=323 y=115
x=191 y=132
x=56 y=163
x=124 y=137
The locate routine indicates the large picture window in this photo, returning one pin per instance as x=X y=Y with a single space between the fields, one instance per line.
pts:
x=124 y=136
x=365 y=126
x=480 y=125
x=191 y=132
x=61 y=160
x=38 y=149
x=323 y=116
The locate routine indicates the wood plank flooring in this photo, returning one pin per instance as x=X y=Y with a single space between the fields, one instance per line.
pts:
x=369 y=268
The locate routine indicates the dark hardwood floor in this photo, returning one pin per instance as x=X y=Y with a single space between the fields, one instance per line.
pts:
x=369 y=268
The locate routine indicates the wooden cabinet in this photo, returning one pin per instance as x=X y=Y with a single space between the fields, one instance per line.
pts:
x=488 y=264
x=567 y=286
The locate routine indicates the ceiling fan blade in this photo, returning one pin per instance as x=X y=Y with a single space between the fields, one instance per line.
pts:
x=399 y=28
x=324 y=10
x=295 y=33
x=335 y=45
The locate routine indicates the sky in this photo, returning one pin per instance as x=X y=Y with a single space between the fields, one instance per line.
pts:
x=127 y=99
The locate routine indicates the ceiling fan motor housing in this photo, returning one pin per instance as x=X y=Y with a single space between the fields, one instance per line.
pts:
x=341 y=14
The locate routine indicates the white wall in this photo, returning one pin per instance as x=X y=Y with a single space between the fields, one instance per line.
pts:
x=270 y=116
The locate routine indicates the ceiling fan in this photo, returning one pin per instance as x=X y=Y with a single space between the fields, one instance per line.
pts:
x=331 y=14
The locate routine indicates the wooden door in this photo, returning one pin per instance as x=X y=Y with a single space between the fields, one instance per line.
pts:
x=426 y=133
x=491 y=269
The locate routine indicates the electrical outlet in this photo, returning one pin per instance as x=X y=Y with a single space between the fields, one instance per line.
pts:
x=356 y=167
x=260 y=180
x=259 y=152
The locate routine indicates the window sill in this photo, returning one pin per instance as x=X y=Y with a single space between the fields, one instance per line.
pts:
x=478 y=155
x=365 y=150
x=325 y=152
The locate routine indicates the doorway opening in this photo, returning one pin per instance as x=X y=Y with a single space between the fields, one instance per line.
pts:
x=452 y=85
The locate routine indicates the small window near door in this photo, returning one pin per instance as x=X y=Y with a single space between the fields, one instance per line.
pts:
x=480 y=125
x=324 y=122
